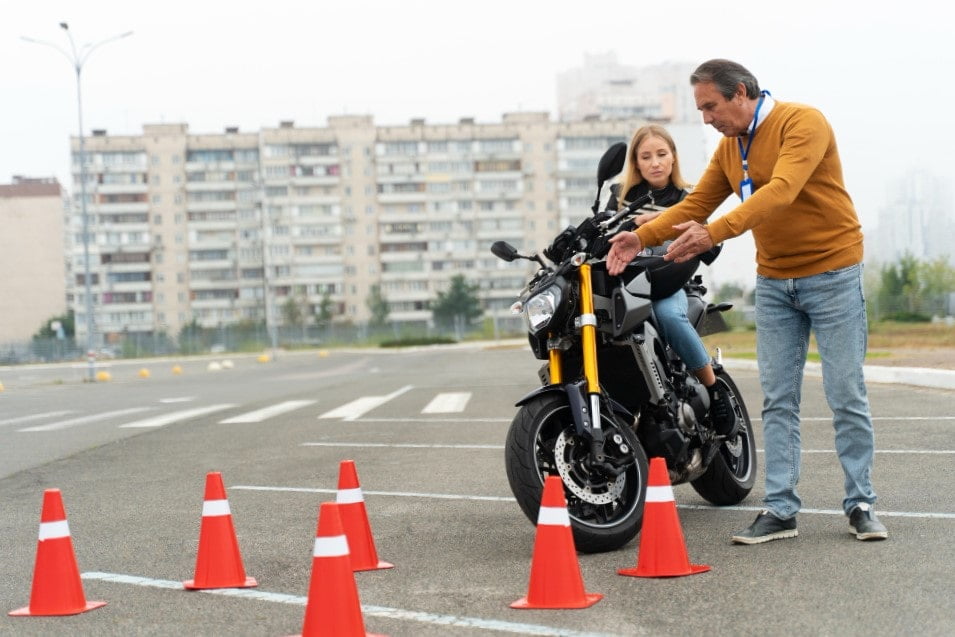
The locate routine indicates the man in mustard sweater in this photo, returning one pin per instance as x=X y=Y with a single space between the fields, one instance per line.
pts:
x=781 y=159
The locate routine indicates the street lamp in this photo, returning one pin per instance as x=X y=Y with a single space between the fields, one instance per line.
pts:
x=77 y=60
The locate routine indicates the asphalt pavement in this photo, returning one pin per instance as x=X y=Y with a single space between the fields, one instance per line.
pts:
x=425 y=428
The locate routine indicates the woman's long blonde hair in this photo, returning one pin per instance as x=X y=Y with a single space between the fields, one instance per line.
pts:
x=631 y=173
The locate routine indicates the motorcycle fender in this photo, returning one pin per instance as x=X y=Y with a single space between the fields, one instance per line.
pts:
x=577 y=398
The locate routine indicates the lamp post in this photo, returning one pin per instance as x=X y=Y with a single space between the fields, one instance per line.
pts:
x=77 y=59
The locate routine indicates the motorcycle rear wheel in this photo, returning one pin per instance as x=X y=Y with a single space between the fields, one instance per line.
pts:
x=604 y=515
x=732 y=474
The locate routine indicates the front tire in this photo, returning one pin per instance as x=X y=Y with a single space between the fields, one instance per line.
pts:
x=732 y=473
x=604 y=514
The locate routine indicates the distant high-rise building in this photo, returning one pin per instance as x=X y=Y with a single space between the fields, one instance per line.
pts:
x=604 y=89
x=33 y=279
x=918 y=219
x=221 y=228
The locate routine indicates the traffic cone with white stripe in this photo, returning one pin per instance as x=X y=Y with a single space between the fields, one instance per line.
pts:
x=333 y=608
x=218 y=561
x=57 y=589
x=662 y=547
x=555 y=573
x=351 y=508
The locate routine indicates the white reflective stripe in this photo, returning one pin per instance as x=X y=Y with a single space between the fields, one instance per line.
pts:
x=660 y=494
x=212 y=508
x=334 y=546
x=54 y=530
x=588 y=319
x=553 y=516
x=349 y=496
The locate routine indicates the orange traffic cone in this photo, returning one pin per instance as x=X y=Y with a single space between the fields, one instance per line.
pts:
x=351 y=507
x=332 y=609
x=57 y=589
x=555 y=574
x=218 y=562
x=662 y=547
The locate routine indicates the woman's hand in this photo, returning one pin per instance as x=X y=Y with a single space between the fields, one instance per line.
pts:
x=643 y=218
x=624 y=247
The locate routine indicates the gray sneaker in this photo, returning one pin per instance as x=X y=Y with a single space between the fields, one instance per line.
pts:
x=864 y=525
x=765 y=528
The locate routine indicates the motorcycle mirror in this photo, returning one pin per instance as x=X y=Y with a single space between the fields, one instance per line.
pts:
x=504 y=251
x=611 y=163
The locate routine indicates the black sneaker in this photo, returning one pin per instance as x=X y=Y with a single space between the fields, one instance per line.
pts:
x=722 y=412
x=864 y=525
x=765 y=528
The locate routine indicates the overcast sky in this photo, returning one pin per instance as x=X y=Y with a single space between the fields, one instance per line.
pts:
x=880 y=71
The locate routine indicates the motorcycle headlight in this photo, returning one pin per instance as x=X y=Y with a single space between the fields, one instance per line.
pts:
x=540 y=308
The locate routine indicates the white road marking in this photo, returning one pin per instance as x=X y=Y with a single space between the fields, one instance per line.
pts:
x=423 y=420
x=874 y=418
x=940 y=452
x=493 y=498
x=367 y=610
x=180 y=399
x=398 y=446
x=268 y=412
x=175 y=416
x=23 y=419
x=82 y=420
x=357 y=408
x=453 y=402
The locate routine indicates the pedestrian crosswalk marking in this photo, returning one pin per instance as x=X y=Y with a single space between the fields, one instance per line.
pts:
x=448 y=403
x=357 y=408
x=82 y=420
x=159 y=421
x=267 y=412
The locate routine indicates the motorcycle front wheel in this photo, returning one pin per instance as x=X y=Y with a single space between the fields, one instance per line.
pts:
x=605 y=513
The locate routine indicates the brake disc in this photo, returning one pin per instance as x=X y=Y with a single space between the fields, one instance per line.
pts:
x=585 y=492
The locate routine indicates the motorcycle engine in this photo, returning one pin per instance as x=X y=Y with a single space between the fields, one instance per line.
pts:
x=693 y=406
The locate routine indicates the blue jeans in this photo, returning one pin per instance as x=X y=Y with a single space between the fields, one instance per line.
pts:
x=832 y=305
x=677 y=331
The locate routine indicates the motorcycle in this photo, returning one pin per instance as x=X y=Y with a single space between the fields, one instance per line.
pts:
x=612 y=391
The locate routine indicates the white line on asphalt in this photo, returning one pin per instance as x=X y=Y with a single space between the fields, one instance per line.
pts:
x=424 y=420
x=82 y=420
x=940 y=452
x=22 y=419
x=357 y=408
x=175 y=416
x=491 y=498
x=447 y=403
x=397 y=446
x=367 y=610
x=268 y=412
x=401 y=494
x=874 y=418
x=181 y=399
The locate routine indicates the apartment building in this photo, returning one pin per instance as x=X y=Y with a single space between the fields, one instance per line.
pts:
x=221 y=228
x=33 y=281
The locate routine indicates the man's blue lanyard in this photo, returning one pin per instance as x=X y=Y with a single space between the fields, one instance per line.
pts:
x=752 y=133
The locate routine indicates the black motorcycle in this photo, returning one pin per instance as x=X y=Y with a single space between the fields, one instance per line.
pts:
x=613 y=392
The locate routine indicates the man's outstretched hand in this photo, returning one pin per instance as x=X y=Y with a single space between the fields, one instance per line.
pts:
x=693 y=240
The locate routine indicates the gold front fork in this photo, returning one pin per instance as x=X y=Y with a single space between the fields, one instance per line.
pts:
x=588 y=330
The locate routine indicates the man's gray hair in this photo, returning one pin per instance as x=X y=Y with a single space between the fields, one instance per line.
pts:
x=726 y=75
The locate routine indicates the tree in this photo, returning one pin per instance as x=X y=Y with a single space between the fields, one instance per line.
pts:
x=325 y=311
x=292 y=314
x=67 y=325
x=378 y=305
x=459 y=307
x=913 y=290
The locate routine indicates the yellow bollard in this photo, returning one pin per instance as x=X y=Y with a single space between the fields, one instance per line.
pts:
x=323 y=353
x=176 y=369
x=103 y=376
x=1 y=386
x=263 y=358
x=144 y=373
